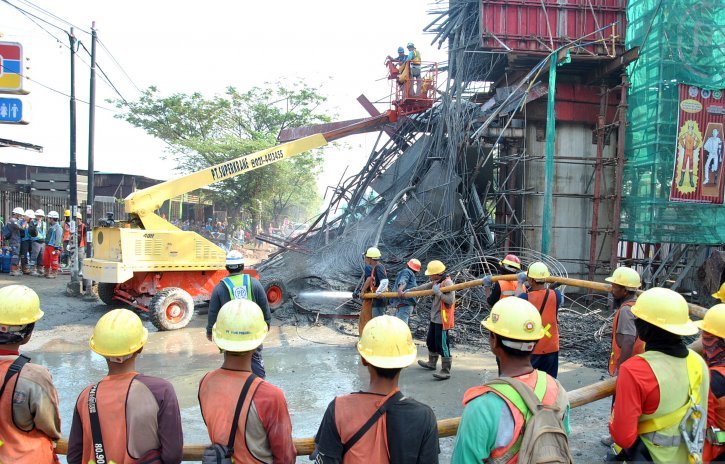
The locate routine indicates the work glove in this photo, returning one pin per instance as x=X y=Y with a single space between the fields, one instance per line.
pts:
x=437 y=289
x=487 y=281
x=522 y=277
x=383 y=287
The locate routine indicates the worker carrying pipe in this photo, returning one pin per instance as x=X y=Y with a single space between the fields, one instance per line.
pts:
x=495 y=291
x=375 y=279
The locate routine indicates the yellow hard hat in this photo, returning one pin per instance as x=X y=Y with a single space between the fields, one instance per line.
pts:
x=714 y=321
x=666 y=309
x=19 y=305
x=66 y=213
x=515 y=318
x=538 y=271
x=373 y=253
x=626 y=277
x=240 y=326
x=720 y=295
x=386 y=342
x=79 y=215
x=435 y=267
x=118 y=333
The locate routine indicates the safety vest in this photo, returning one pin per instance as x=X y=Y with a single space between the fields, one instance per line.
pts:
x=716 y=419
x=40 y=227
x=416 y=57
x=66 y=231
x=508 y=288
x=616 y=350
x=239 y=286
x=20 y=446
x=81 y=234
x=550 y=342
x=351 y=413
x=219 y=392
x=546 y=389
x=682 y=379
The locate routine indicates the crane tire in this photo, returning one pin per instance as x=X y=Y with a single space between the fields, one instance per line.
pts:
x=171 y=308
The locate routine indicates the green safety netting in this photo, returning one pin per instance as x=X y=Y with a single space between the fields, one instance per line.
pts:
x=681 y=41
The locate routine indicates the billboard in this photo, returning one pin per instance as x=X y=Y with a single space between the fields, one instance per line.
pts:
x=11 y=67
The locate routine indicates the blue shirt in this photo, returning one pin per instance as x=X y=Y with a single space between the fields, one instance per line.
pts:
x=407 y=277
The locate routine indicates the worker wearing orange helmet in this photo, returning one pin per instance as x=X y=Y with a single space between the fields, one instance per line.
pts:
x=405 y=281
x=495 y=291
x=713 y=342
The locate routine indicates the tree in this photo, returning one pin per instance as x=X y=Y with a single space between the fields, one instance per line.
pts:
x=203 y=131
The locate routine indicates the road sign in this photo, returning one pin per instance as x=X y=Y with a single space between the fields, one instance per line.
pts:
x=11 y=68
x=11 y=111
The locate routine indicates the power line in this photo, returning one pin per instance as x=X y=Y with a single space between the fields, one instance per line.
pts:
x=119 y=65
x=105 y=78
x=27 y=13
x=54 y=16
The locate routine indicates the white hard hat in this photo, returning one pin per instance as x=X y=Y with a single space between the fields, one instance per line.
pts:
x=53 y=215
x=234 y=258
x=29 y=213
x=40 y=212
x=18 y=210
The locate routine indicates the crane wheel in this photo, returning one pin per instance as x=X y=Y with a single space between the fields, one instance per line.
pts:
x=171 y=308
x=105 y=292
x=276 y=293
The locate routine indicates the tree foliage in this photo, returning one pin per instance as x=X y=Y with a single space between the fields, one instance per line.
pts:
x=202 y=132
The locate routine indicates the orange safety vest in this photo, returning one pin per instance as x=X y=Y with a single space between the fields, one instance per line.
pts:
x=351 y=413
x=616 y=350
x=549 y=398
x=218 y=403
x=508 y=288
x=548 y=344
x=66 y=231
x=20 y=446
x=715 y=418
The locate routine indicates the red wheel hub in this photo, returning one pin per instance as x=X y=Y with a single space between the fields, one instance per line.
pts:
x=274 y=295
x=174 y=313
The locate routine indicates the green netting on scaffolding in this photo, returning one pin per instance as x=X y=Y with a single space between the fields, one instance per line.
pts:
x=681 y=42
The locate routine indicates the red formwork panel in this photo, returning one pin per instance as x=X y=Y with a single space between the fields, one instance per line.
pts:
x=536 y=25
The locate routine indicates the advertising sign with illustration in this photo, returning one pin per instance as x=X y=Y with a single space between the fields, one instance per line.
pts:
x=698 y=172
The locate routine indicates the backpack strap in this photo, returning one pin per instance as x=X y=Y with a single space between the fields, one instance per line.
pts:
x=373 y=419
x=520 y=394
x=543 y=303
x=99 y=451
x=238 y=411
x=14 y=369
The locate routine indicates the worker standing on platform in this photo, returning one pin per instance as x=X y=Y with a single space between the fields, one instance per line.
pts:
x=414 y=62
x=375 y=279
x=625 y=343
x=441 y=319
x=239 y=286
x=545 y=356
x=495 y=415
x=53 y=245
x=661 y=395
x=29 y=418
x=127 y=416
x=259 y=423
x=38 y=245
x=495 y=291
x=15 y=229
x=379 y=425
x=403 y=282
x=713 y=342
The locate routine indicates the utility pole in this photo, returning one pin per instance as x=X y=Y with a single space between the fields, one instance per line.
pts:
x=87 y=284
x=74 y=286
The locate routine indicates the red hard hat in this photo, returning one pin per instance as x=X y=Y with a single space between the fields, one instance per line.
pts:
x=511 y=261
x=414 y=264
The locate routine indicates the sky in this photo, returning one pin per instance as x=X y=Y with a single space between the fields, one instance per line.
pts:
x=337 y=46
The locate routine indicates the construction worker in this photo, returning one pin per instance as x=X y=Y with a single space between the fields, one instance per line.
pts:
x=239 y=286
x=81 y=236
x=38 y=245
x=263 y=430
x=661 y=394
x=720 y=295
x=414 y=63
x=375 y=279
x=713 y=342
x=127 y=416
x=29 y=417
x=441 y=319
x=625 y=343
x=379 y=425
x=53 y=244
x=16 y=234
x=495 y=291
x=26 y=240
x=66 y=229
x=545 y=356
x=495 y=417
x=405 y=281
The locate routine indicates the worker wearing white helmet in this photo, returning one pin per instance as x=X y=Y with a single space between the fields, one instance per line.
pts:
x=37 y=249
x=239 y=286
x=26 y=240
x=53 y=244
x=13 y=233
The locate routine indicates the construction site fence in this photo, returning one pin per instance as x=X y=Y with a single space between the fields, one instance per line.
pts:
x=51 y=201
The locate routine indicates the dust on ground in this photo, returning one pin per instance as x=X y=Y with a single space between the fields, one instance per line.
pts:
x=311 y=362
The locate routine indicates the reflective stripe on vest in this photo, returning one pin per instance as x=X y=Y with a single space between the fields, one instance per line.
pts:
x=19 y=446
x=715 y=418
x=548 y=317
x=638 y=347
x=508 y=288
x=416 y=57
x=659 y=431
x=239 y=286
x=219 y=392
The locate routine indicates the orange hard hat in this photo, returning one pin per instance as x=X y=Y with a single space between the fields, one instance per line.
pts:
x=414 y=264
x=511 y=262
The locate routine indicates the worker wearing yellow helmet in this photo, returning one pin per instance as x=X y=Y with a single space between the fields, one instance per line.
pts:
x=28 y=428
x=261 y=425
x=137 y=416
x=374 y=279
x=661 y=394
x=495 y=414
x=713 y=342
x=404 y=430
x=625 y=343
x=442 y=319
x=720 y=294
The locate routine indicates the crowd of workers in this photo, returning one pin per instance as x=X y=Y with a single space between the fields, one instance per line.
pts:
x=669 y=404
x=36 y=241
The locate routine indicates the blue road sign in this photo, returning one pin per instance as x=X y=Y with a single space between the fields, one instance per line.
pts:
x=11 y=111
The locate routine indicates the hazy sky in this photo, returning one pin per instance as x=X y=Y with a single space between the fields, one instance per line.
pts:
x=184 y=46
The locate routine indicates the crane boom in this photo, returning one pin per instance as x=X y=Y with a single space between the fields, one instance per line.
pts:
x=143 y=203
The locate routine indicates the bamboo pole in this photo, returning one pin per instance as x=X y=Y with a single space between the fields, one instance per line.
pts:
x=446 y=427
